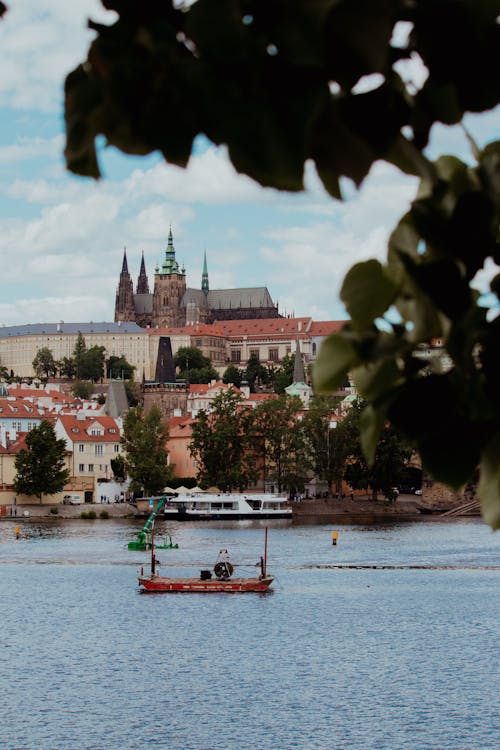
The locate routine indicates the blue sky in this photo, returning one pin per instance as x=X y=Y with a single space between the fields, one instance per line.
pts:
x=62 y=237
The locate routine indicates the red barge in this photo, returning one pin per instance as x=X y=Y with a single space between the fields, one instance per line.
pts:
x=220 y=581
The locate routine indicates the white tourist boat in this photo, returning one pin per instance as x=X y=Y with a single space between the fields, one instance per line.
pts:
x=199 y=506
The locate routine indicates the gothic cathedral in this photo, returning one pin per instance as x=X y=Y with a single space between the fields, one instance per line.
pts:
x=173 y=305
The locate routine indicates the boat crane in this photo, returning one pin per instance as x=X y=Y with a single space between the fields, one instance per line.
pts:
x=144 y=537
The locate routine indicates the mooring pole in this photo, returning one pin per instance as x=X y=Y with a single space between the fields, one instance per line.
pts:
x=265 y=553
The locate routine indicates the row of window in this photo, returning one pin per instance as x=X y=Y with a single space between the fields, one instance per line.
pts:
x=90 y=468
x=273 y=354
x=98 y=449
x=18 y=426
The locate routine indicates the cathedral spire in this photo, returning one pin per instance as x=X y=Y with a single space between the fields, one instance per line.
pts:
x=142 y=281
x=124 y=302
x=204 y=276
x=124 y=264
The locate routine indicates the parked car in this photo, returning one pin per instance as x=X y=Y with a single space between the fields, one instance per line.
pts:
x=72 y=500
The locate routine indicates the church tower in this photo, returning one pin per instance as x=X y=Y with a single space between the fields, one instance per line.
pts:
x=142 y=280
x=169 y=288
x=124 y=303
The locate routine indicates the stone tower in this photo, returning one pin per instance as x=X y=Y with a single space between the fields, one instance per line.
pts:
x=169 y=288
x=124 y=303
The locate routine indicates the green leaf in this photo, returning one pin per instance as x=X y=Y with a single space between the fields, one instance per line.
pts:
x=336 y=358
x=374 y=380
x=489 y=483
x=443 y=283
x=450 y=451
x=367 y=293
x=371 y=423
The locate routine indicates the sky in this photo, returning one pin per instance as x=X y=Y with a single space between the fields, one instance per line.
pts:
x=62 y=237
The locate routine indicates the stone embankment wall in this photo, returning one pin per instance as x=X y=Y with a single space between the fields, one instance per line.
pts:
x=439 y=495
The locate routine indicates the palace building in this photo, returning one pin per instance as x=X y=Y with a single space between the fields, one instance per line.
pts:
x=172 y=304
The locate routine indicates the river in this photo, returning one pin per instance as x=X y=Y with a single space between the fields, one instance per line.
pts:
x=388 y=640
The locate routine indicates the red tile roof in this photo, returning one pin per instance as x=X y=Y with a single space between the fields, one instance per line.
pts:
x=14 y=446
x=77 y=429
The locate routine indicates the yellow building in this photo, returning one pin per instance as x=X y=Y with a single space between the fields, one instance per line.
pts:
x=19 y=344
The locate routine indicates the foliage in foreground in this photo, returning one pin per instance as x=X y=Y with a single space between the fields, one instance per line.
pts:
x=275 y=81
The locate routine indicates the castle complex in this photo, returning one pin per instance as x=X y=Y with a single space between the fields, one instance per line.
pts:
x=173 y=305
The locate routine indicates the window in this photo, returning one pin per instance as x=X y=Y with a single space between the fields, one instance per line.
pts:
x=273 y=355
x=91 y=467
x=236 y=355
x=81 y=467
x=255 y=353
x=116 y=448
x=99 y=450
x=81 y=448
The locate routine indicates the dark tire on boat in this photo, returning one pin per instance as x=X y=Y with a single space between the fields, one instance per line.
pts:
x=223 y=570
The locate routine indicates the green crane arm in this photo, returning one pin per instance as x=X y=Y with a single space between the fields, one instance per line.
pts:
x=151 y=519
x=143 y=540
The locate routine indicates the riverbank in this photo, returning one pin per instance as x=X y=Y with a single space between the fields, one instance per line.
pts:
x=325 y=510
x=35 y=511
x=366 y=510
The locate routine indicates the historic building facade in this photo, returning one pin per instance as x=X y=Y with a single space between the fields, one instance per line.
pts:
x=172 y=304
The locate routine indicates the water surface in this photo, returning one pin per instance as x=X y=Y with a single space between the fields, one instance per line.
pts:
x=389 y=640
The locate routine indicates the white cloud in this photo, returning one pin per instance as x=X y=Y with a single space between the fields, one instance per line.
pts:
x=39 y=45
x=28 y=148
x=209 y=179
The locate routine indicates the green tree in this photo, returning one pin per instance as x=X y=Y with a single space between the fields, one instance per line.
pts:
x=194 y=366
x=146 y=457
x=392 y=455
x=232 y=374
x=82 y=389
x=327 y=440
x=92 y=366
x=78 y=357
x=283 y=375
x=67 y=367
x=41 y=466
x=255 y=372
x=281 y=442
x=277 y=85
x=44 y=363
x=119 y=367
x=118 y=468
x=190 y=357
x=222 y=445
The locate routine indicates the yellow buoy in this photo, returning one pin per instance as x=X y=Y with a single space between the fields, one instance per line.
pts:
x=335 y=536
x=17 y=531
